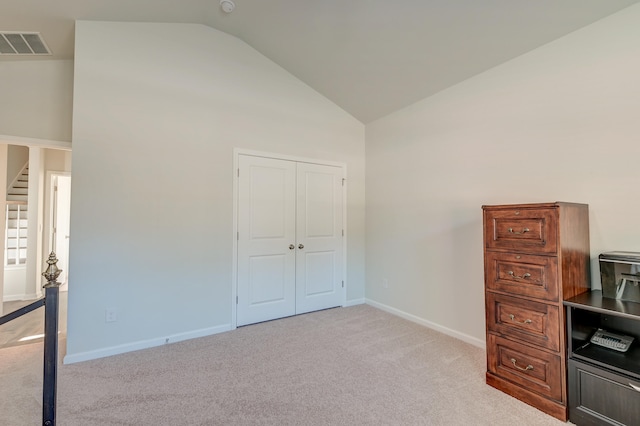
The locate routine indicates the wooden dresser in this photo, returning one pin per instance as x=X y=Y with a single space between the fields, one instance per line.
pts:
x=535 y=256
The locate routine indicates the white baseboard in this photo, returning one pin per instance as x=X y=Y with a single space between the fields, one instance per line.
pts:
x=159 y=341
x=20 y=297
x=13 y=297
x=354 y=302
x=144 y=344
x=449 y=332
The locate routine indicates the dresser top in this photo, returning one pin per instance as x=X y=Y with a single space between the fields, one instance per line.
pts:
x=554 y=204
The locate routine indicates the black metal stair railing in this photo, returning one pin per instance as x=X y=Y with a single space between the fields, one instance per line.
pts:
x=50 y=301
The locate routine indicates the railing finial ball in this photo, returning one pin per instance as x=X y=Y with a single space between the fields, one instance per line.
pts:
x=52 y=272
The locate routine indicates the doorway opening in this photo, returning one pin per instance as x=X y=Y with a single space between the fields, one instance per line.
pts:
x=29 y=199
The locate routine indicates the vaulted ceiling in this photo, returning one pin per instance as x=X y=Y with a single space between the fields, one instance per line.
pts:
x=370 y=57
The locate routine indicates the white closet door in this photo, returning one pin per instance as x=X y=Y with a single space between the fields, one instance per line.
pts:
x=319 y=227
x=266 y=231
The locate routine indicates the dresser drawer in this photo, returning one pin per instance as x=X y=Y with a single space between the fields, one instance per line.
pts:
x=533 y=322
x=523 y=275
x=521 y=229
x=533 y=369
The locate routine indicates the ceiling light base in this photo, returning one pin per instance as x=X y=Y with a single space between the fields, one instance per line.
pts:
x=227 y=6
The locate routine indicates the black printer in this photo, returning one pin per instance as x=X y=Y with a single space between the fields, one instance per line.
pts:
x=620 y=275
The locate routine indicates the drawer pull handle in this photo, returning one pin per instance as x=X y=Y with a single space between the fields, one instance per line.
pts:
x=524 y=277
x=515 y=364
x=634 y=387
x=513 y=318
x=524 y=230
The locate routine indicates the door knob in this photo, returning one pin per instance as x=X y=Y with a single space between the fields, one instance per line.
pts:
x=291 y=246
x=301 y=246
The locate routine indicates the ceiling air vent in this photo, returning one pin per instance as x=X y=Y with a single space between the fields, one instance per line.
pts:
x=16 y=43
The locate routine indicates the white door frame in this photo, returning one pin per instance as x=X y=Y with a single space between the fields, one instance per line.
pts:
x=51 y=180
x=234 y=274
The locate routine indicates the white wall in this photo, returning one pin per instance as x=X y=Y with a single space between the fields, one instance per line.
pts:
x=561 y=123
x=158 y=109
x=35 y=110
x=17 y=157
x=36 y=99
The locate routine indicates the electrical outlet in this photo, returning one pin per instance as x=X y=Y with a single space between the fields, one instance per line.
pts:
x=385 y=283
x=110 y=315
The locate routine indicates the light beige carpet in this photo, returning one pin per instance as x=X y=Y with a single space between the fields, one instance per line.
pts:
x=31 y=324
x=344 y=366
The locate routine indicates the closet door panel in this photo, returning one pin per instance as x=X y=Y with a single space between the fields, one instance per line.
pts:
x=319 y=237
x=266 y=230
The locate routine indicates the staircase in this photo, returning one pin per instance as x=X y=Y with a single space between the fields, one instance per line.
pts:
x=16 y=226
